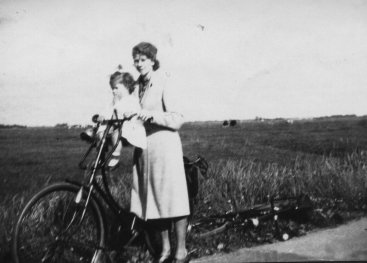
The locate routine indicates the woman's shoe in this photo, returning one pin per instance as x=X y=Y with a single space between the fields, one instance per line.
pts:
x=164 y=259
x=186 y=259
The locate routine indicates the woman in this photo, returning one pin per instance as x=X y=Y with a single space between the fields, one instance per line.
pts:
x=159 y=185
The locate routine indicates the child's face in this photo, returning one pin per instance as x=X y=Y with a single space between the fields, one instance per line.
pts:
x=119 y=90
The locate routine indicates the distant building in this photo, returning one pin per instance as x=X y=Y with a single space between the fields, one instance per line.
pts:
x=62 y=125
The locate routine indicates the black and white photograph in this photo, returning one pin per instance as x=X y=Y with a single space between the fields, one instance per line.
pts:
x=173 y=131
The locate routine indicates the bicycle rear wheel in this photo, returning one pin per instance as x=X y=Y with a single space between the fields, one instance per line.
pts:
x=50 y=228
x=206 y=227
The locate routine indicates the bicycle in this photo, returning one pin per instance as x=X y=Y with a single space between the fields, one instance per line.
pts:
x=66 y=221
x=298 y=208
x=273 y=210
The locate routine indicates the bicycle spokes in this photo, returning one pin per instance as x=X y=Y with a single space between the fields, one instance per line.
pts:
x=67 y=220
x=65 y=249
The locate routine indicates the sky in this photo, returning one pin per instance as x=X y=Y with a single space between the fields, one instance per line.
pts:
x=225 y=59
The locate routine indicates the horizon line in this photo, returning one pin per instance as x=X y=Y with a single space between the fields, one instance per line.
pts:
x=257 y=118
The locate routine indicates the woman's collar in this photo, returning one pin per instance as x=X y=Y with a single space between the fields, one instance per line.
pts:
x=147 y=78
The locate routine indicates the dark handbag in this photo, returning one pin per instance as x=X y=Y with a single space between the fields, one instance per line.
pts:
x=193 y=170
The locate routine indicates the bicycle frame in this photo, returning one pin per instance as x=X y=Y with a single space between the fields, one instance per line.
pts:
x=104 y=193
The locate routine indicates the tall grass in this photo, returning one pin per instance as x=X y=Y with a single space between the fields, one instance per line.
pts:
x=247 y=183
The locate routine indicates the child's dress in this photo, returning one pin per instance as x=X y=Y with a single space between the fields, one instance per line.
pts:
x=132 y=130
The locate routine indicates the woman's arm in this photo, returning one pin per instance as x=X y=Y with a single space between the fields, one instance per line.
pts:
x=171 y=116
x=172 y=120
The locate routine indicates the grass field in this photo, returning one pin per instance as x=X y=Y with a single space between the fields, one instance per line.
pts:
x=326 y=159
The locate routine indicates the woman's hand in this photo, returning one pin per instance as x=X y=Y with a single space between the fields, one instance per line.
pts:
x=145 y=115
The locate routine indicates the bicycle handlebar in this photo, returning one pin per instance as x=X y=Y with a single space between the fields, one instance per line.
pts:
x=117 y=121
x=112 y=121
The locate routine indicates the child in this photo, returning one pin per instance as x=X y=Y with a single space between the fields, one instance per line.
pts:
x=124 y=102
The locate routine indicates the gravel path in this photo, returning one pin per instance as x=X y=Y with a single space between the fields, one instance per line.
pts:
x=345 y=242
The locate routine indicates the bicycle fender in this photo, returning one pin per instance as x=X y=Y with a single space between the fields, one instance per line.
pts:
x=96 y=200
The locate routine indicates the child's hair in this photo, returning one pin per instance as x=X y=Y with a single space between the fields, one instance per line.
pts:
x=124 y=78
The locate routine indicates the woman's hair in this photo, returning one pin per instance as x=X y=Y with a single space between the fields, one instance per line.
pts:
x=124 y=78
x=149 y=50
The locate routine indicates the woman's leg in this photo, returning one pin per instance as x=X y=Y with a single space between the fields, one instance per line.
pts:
x=180 y=229
x=166 y=246
x=164 y=226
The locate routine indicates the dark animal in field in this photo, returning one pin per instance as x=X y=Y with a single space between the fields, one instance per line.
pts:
x=232 y=123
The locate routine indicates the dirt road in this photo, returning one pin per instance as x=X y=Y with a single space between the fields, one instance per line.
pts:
x=346 y=242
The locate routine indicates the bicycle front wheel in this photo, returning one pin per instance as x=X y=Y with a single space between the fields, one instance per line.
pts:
x=51 y=227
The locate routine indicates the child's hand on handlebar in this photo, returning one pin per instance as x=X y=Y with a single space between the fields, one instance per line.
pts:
x=145 y=115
